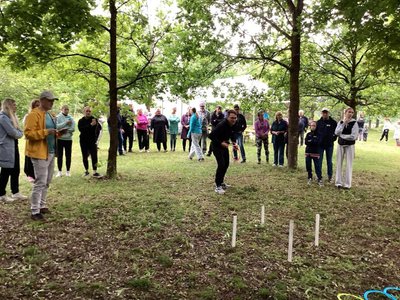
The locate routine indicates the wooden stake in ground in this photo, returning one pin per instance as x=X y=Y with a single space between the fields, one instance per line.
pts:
x=262 y=215
x=316 y=243
x=290 y=247
x=234 y=229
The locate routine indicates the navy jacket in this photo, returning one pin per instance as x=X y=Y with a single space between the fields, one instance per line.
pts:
x=326 y=131
x=312 y=142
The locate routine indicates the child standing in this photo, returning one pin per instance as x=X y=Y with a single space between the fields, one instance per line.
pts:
x=312 y=142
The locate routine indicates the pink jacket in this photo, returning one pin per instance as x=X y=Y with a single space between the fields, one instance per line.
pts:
x=142 y=122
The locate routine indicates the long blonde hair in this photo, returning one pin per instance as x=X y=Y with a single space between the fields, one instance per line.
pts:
x=6 y=107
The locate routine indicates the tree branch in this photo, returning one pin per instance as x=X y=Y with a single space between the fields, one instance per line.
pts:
x=82 y=55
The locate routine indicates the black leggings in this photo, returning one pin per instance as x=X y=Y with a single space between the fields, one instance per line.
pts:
x=5 y=173
x=164 y=145
x=89 y=148
x=222 y=157
x=61 y=145
x=143 y=139
x=385 y=134
x=184 y=144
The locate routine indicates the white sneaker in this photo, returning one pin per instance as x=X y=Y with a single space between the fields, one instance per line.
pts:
x=19 y=196
x=68 y=174
x=219 y=190
x=59 y=174
x=6 y=199
x=309 y=181
x=225 y=186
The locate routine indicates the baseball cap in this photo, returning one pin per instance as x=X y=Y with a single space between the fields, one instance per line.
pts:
x=325 y=109
x=47 y=95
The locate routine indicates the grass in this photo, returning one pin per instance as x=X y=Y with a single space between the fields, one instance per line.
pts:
x=160 y=232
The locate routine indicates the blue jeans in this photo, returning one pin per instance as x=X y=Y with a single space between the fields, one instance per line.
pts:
x=279 y=150
x=316 y=166
x=329 y=153
x=239 y=141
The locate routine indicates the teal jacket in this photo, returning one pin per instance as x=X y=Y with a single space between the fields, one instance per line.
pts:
x=173 y=124
x=62 y=124
x=194 y=125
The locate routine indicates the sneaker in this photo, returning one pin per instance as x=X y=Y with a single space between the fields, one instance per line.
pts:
x=147 y=150
x=259 y=161
x=201 y=159
x=219 y=190
x=59 y=174
x=96 y=174
x=68 y=174
x=37 y=217
x=86 y=174
x=130 y=150
x=19 y=196
x=141 y=150
x=243 y=161
x=309 y=181
x=165 y=151
x=209 y=154
x=280 y=166
x=320 y=183
x=225 y=186
x=45 y=210
x=330 y=179
x=6 y=199
x=274 y=165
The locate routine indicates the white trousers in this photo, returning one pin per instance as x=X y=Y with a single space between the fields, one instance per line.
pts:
x=195 y=146
x=344 y=153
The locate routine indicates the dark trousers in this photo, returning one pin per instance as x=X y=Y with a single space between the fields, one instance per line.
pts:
x=329 y=154
x=143 y=139
x=385 y=134
x=260 y=143
x=87 y=149
x=222 y=157
x=128 y=137
x=159 y=145
x=279 y=149
x=61 y=145
x=6 y=173
x=172 y=141
x=184 y=144
x=317 y=167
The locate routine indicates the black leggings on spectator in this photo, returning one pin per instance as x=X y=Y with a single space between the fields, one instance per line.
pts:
x=61 y=145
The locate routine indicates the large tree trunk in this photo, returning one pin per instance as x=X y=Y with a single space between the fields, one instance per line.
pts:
x=293 y=136
x=112 y=151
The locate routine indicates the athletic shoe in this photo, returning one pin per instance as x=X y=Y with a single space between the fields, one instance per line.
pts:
x=201 y=159
x=68 y=174
x=274 y=165
x=243 y=161
x=208 y=154
x=96 y=174
x=59 y=174
x=141 y=150
x=330 y=179
x=147 y=151
x=280 y=166
x=219 y=190
x=225 y=186
x=37 y=217
x=309 y=181
x=6 y=199
x=86 y=174
x=320 y=183
x=259 y=161
x=19 y=196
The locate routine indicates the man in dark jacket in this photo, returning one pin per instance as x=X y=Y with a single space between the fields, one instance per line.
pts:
x=326 y=131
x=220 y=137
x=216 y=118
x=303 y=125
x=239 y=128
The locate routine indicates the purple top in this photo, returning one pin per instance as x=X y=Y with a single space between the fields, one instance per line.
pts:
x=185 y=120
x=142 y=122
x=261 y=128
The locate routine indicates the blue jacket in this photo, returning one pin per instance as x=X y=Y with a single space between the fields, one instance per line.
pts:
x=8 y=135
x=326 y=131
x=194 y=125
x=62 y=124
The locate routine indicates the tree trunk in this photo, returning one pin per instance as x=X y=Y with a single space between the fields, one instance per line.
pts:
x=112 y=151
x=293 y=135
